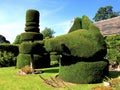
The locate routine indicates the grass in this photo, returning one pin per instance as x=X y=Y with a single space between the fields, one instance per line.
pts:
x=10 y=80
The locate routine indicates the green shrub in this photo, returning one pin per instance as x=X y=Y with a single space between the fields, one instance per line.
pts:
x=10 y=48
x=76 y=25
x=31 y=36
x=23 y=60
x=7 y=59
x=113 y=47
x=83 y=72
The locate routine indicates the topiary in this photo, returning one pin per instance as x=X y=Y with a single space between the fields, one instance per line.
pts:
x=80 y=49
x=83 y=71
x=31 y=36
x=23 y=60
x=76 y=25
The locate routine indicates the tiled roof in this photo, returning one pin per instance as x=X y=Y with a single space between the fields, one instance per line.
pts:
x=109 y=26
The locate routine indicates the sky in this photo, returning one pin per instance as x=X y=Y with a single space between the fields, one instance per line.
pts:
x=55 y=14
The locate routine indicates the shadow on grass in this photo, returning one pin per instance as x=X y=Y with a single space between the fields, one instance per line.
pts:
x=114 y=74
x=51 y=70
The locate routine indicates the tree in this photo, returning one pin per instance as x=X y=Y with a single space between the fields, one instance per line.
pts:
x=48 y=32
x=3 y=39
x=105 y=13
x=17 y=39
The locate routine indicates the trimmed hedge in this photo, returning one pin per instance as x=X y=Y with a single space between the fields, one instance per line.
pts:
x=31 y=36
x=36 y=24
x=40 y=61
x=26 y=47
x=32 y=16
x=83 y=72
x=31 y=29
x=10 y=48
x=23 y=60
x=86 y=22
x=76 y=25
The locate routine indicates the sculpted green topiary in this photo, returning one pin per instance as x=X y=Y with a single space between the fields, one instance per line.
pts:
x=76 y=25
x=83 y=51
x=32 y=47
x=32 y=21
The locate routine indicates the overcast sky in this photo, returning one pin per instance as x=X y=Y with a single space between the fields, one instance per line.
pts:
x=54 y=14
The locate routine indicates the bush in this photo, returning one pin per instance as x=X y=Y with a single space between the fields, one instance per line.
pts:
x=31 y=36
x=7 y=59
x=113 y=48
x=10 y=48
x=23 y=60
x=83 y=72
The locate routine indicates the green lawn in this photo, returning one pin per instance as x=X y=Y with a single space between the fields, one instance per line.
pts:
x=9 y=80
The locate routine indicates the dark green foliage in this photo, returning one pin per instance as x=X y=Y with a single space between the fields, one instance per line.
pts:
x=40 y=61
x=76 y=25
x=31 y=36
x=83 y=43
x=25 y=48
x=31 y=29
x=113 y=48
x=38 y=48
x=54 y=58
x=35 y=24
x=32 y=16
x=84 y=72
x=23 y=60
x=32 y=21
x=3 y=39
x=105 y=13
x=10 y=48
x=29 y=47
x=7 y=59
x=8 y=54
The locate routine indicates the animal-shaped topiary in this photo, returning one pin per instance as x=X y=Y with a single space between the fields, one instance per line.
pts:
x=83 y=52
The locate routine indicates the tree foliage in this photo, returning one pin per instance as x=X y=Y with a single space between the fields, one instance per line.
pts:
x=3 y=39
x=17 y=39
x=48 y=32
x=105 y=13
